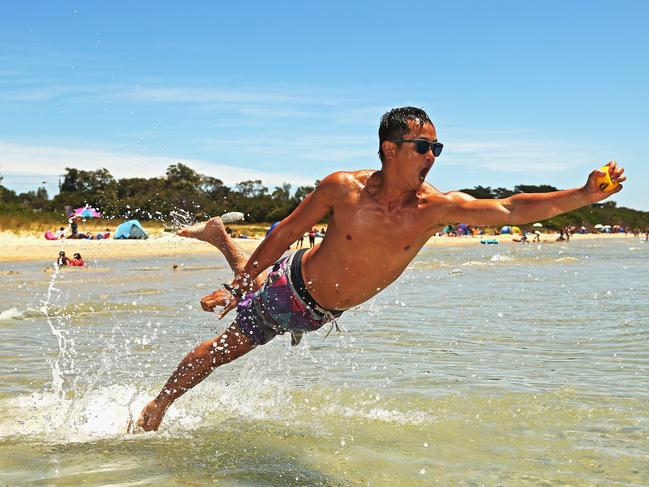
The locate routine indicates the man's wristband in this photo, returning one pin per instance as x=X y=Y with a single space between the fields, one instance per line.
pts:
x=234 y=291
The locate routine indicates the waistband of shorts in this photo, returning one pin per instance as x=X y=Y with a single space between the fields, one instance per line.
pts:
x=301 y=289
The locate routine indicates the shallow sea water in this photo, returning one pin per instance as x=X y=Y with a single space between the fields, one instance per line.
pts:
x=482 y=365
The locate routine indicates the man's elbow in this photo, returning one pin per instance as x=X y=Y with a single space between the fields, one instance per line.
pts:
x=284 y=233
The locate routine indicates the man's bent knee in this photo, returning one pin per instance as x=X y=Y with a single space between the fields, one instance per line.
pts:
x=229 y=345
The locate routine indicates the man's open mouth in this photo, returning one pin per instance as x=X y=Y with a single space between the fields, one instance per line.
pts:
x=423 y=173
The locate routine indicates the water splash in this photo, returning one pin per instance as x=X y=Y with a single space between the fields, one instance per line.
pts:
x=61 y=335
x=179 y=219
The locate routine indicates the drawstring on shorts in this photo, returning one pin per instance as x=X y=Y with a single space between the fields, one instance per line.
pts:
x=330 y=317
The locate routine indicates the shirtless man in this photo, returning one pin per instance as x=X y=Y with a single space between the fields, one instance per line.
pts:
x=377 y=222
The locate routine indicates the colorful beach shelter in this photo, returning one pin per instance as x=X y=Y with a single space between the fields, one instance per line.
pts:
x=505 y=230
x=86 y=212
x=130 y=229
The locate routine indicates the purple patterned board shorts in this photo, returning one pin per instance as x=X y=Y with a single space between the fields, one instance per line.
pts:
x=277 y=307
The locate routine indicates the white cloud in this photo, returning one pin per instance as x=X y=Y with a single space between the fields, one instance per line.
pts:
x=43 y=161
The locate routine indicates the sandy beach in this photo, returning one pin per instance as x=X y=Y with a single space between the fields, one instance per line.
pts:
x=28 y=247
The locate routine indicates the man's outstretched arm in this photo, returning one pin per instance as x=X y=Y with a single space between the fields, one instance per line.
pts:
x=527 y=207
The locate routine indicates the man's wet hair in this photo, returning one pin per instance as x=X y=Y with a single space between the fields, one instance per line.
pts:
x=394 y=124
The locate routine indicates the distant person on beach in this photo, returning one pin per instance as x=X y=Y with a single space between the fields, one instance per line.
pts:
x=62 y=259
x=60 y=233
x=378 y=220
x=76 y=261
x=299 y=242
x=312 y=234
x=74 y=227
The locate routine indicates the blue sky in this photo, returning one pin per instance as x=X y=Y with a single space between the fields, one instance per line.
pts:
x=520 y=92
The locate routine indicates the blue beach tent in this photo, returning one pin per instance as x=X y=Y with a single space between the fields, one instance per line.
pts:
x=130 y=229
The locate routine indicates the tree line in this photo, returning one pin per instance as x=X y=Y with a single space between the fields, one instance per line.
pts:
x=182 y=189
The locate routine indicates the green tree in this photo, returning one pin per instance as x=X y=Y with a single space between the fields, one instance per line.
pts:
x=501 y=193
x=302 y=192
x=282 y=193
x=479 y=192
x=80 y=181
x=251 y=189
x=181 y=176
x=530 y=188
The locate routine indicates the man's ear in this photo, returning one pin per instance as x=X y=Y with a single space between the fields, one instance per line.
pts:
x=389 y=148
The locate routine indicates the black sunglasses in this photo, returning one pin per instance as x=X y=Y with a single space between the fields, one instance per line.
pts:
x=422 y=146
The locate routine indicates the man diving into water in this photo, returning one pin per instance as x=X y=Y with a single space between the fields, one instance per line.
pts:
x=378 y=221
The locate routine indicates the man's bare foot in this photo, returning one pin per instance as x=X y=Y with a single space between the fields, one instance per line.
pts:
x=211 y=231
x=150 y=418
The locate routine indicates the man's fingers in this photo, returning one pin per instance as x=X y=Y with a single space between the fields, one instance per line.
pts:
x=206 y=305
x=619 y=180
x=228 y=308
x=209 y=302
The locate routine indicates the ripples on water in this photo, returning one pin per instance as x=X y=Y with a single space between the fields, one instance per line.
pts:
x=497 y=365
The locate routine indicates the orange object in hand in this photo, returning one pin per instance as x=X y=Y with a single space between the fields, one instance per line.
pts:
x=604 y=182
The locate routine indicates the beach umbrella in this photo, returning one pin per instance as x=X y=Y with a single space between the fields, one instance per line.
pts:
x=599 y=225
x=537 y=225
x=86 y=212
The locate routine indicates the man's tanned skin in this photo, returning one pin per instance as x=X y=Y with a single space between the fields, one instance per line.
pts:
x=377 y=223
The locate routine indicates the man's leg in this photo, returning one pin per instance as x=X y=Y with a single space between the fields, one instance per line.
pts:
x=196 y=366
x=201 y=361
x=213 y=232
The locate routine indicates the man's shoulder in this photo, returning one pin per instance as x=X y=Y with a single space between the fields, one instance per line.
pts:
x=346 y=180
x=343 y=177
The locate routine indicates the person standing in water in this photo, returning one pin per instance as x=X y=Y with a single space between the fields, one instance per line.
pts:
x=377 y=222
